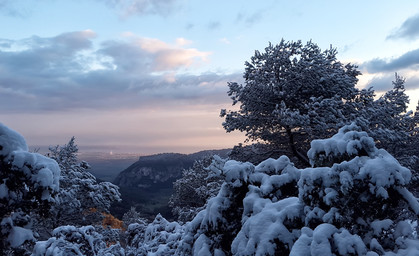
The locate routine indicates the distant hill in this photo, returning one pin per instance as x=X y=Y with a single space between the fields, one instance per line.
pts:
x=107 y=166
x=148 y=183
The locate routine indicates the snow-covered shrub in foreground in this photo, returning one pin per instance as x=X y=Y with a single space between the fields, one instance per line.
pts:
x=353 y=201
x=82 y=197
x=159 y=237
x=196 y=186
x=28 y=183
x=70 y=240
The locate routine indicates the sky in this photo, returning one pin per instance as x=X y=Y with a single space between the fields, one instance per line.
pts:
x=150 y=76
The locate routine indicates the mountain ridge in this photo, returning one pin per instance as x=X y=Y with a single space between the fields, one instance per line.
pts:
x=147 y=184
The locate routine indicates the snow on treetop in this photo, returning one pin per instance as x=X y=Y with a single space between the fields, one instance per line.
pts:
x=273 y=166
x=236 y=172
x=42 y=171
x=10 y=141
x=350 y=141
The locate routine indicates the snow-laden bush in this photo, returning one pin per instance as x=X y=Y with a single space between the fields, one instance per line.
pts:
x=28 y=184
x=159 y=237
x=353 y=201
x=70 y=240
x=248 y=216
x=132 y=216
x=82 y=197
x=195 y=187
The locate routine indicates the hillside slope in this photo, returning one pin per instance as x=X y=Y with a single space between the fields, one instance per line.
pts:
x=148 y=183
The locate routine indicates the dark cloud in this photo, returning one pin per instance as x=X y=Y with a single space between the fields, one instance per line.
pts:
x=381 y=83
x=5 y=43
x=384 y=83
x=46 y=57
x=412 y=82
x=56 y=74
x=409 y=29
x=407 y=60
x=127 y=57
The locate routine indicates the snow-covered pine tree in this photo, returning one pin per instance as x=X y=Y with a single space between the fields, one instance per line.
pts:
x=81 y=195
x=352 y=201
x=28 y=185
x=132 y=216
x=160 y=237
x=292 y=91
x=196 y=186
x=71 y=240
x=389 y=120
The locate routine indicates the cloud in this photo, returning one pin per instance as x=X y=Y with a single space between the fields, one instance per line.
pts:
x=150 y=54
x=189 y=26
x=381 y=83
x=43 y=57
x=4 y=43
x=124 y=8
x=407 y=60
x=250 y=19
x=409 y=29
x=65 y=72
x=12 y=8
x=128 y=8
x=224 y=40
x=384 y=82
x=214 y=25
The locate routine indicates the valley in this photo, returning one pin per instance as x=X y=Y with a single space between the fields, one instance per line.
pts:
x=145 y=182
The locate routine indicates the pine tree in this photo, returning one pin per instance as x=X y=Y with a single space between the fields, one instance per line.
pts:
x=82 y=197
x=29 y=183
x=196 y=186
x=292 y=91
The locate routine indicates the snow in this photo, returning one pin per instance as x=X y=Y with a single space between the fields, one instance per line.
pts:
x=237 y=172
x=348 y=142
x=19 y=235
x=11 y=141
x=261 y=229
x=43 y=171
x=201 y=246
x=348 y=172
x=79 y=241
x=384 y=171
x=321 y=235
x=302 y=245
x=26 y=179
x=408 y=196
x=4 y=191
x=349 y=244
x=404 y=229
x=330 y=196
x=339 y=206
x=379 y=225
x=273 y=166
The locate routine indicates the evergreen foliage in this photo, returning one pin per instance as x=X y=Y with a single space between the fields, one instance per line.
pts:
x=293 y=93
x=82 y=197
x=196 y=186
x=29 y=183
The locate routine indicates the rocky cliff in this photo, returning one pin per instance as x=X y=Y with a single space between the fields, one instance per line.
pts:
x=148 y=183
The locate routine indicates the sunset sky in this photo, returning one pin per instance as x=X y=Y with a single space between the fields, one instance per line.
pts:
x=150 y=76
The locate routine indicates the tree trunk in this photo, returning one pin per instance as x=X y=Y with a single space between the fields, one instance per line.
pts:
x=304 y=160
